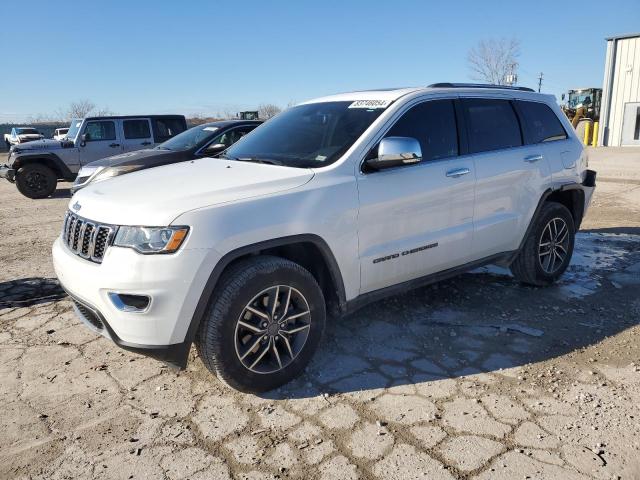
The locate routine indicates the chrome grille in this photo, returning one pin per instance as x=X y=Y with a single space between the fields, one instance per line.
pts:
x=85 y=238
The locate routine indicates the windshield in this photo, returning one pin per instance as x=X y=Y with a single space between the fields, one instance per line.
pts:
x=576 y=98
x=74 y=128
x=312 y=135
x=189 y=138
x=27 y=131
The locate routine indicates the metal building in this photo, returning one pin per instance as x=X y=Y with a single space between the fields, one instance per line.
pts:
x=620 y=113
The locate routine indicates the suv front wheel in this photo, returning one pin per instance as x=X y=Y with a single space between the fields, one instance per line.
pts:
x=35 y=180
x=548 y=247
x=265 y=321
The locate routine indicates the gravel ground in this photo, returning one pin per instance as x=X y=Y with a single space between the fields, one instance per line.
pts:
x=476 y=377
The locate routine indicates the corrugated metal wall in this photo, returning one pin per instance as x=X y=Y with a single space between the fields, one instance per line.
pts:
x=621 y=86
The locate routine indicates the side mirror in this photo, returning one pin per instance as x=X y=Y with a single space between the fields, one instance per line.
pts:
x=562 y=96
x=84 y=138
x=395 y=152
x=215 y=148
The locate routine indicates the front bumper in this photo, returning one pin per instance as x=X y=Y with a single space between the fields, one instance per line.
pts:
x=7 y=173
x=174 y=284
x=175 y=355
x=588 y=187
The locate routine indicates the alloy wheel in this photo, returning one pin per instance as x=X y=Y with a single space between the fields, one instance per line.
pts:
x=553 y=247
x=272 y=329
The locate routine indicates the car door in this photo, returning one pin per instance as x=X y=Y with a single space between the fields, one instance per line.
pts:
x=543 y=129
x=417 y=219
x=136 y=134
x=509 y=174
x=100 y=139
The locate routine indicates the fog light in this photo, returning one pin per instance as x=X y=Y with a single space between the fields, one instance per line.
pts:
x=129 y=303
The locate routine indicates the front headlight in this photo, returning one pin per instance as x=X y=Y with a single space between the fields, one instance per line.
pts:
x=85 y=173
x=151 y=239
x=108 y=172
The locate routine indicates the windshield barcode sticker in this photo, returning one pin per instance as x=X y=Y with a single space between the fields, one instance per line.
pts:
x=371 y=104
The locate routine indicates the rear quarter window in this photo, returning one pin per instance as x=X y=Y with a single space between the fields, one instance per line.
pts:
x=540 y=123
x=492 y=124
x=136 y=129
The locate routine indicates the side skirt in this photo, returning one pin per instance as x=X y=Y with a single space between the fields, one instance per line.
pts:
x=370 y=297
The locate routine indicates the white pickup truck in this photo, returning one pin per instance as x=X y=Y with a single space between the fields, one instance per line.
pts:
x=21 y=135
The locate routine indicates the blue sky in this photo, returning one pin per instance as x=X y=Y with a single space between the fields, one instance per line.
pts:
x=202 y=57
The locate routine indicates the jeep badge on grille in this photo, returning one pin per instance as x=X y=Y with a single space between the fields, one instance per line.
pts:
x=76 y=206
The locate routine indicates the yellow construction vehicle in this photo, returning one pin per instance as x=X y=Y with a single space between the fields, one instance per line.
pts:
x=582 y=107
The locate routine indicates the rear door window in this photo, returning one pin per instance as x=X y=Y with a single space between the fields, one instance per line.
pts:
x=492 y=124
x=540 y=123
x=433 y=124
x=136 y=129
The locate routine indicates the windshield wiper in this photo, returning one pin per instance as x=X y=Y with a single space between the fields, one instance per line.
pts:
x=266 y=161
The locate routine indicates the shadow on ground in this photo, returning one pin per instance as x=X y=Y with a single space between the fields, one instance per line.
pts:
x=484 y=321
x=26 y=292
x=62 y=193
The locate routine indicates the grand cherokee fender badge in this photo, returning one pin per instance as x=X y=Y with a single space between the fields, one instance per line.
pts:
x=405 y=252
x=76 y=206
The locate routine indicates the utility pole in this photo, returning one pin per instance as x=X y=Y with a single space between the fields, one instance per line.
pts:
x=512 y=77
x=540 y=82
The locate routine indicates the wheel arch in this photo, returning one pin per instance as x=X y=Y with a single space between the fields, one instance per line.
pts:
x=50 y=160
x=308 y=250
x=570 y=195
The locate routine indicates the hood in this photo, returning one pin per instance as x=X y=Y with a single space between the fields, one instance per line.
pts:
x=146 y=157
x=155 y=197
x=44 y=144
x=29 y=135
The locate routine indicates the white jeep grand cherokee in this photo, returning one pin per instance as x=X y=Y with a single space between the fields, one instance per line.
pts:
x=332 y=204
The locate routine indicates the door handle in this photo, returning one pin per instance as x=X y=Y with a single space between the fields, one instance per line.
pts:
x=114 y=145
x=533 y=158
x=145 y=143
x=457 y=172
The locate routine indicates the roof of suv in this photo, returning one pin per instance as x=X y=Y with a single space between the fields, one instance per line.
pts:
x=112 y=117
x=392 y=94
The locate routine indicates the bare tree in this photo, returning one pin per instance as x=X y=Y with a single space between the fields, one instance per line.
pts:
x=493 y=59
x=80 y=109
x=268 y=110
x=102 y=112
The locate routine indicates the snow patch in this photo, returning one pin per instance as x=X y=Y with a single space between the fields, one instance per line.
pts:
x=594 y=256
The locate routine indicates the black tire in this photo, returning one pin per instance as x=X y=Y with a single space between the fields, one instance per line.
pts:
x=529 y=266
x=218 y=337
x=36 y=181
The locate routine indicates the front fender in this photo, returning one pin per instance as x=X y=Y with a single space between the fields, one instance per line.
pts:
x=49 y=159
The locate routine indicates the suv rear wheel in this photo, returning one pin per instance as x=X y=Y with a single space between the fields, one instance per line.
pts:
x=547 y=251
x=265 y=321
x=36 y=181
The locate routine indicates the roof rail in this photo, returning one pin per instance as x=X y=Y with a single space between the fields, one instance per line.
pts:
x=478 y=85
